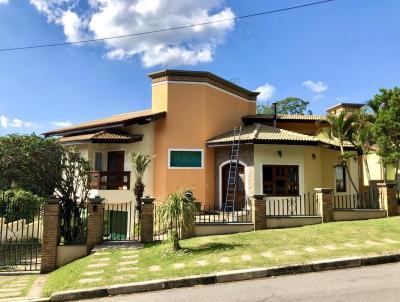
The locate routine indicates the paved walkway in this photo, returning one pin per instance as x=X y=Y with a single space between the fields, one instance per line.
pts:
x=366 y=284
x=21 y=287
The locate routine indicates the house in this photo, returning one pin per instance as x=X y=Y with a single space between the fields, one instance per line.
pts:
x=190 y=130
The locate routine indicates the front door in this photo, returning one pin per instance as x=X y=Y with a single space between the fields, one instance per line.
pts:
x=115 y=169
x=240 y=191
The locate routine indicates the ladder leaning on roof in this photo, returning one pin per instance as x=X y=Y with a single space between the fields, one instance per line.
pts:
x=231 y=188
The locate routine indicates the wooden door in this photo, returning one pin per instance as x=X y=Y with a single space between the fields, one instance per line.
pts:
x=115 y=170
x=240 y=187
x=115 y=161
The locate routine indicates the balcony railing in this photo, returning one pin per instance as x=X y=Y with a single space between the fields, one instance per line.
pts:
x=116 y=180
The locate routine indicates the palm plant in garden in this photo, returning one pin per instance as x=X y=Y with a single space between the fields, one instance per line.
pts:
x=362 y=137
x=140 y=163
x=342 y=127
x=177 y=214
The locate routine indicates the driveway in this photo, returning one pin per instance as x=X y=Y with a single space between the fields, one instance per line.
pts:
x=366 y=284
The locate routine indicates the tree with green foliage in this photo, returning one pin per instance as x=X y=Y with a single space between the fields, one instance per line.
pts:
x=386 y=129
x=289 y=105
x=26 y=161
x=140 y=163
x=362 y=137
x=177 y=214
x=341 y=129
x=16 y=204
x=45 y=167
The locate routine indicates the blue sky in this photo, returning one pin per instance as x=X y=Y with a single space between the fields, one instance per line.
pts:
x=341 y=51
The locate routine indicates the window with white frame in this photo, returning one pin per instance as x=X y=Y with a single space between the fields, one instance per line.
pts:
x=98 y=161
x=185 y=158
x=340 y=178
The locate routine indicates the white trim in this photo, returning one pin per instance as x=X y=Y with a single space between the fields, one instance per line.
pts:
x=204 y=84
x=286 y=163
x=185 y=168
x=220 y=180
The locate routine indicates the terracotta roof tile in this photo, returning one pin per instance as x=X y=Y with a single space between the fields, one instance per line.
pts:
x=102 y=136
x=297 y=117
x=258 y=133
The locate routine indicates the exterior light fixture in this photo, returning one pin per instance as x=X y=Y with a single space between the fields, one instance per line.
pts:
x=314 y=156
x=280 y=153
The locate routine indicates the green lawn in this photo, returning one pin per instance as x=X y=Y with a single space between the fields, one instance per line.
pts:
x=9 y=285
x=329 y=240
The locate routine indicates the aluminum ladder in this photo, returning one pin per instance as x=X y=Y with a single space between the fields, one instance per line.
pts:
x=231 y=188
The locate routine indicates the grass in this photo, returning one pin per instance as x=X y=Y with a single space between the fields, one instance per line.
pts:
x=212 y=248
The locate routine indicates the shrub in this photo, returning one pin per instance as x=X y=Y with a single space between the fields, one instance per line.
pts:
x=18 y=204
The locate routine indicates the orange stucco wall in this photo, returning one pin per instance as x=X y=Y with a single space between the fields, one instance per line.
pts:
x=195 y=113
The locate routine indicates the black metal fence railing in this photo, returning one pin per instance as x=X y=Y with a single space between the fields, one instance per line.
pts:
x=74 y=229
x=302 y=205
x=20 y=238
x=212 y=214
x=398 y=195
x=121 y=222
x=364 y=200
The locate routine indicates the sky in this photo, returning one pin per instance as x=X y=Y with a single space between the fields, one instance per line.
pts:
x=342 y=51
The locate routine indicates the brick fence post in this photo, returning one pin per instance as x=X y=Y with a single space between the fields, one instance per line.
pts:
x=95 y=222
x=51 y=235
x=388 y=199
x=147 y=220
x=259 y=212
x=325 y=202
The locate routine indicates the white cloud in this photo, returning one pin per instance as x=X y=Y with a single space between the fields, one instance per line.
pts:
x=17 y=123
x=318 y=97
x=266 y=92
x=316 y=87
x=3 y=121
x=73 y=26
x=4 y=1
x=105 y=18
x=62 y=124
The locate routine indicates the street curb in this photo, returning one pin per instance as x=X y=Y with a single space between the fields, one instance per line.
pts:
x=223 y=277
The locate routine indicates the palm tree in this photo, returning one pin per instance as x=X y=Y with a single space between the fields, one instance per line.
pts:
x=177 y=214
x=342 y=126
x=362 y=135
x=140 y=162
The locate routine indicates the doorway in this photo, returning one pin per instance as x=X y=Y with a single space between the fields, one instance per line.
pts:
x=240 y=201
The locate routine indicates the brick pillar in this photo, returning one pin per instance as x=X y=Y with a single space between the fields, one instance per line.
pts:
x=325 y=203
x=147 y=220
x=388 y=199
x=51 y=235
x=95 y=222
x=259 y=212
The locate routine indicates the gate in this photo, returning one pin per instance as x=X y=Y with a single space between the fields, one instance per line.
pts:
x=121 y=222
x=21 y=229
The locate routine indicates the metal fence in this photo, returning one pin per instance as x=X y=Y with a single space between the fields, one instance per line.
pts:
x=20 y=237
x=74 y=228
x=364 y=200
x=302 y=205
x=213 y=214
x=162 y=231
x=121 y=222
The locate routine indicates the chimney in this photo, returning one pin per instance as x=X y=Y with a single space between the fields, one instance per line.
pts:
x=275 y=113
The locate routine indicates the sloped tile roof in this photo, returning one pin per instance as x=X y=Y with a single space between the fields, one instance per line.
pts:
x=294 y=117
x=118 y=119
x=102 y=136
x=258 y=133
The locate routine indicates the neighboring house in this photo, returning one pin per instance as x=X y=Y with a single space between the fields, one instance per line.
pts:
x=189 y=129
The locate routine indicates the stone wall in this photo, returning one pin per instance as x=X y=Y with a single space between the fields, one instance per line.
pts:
x=246 y=155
